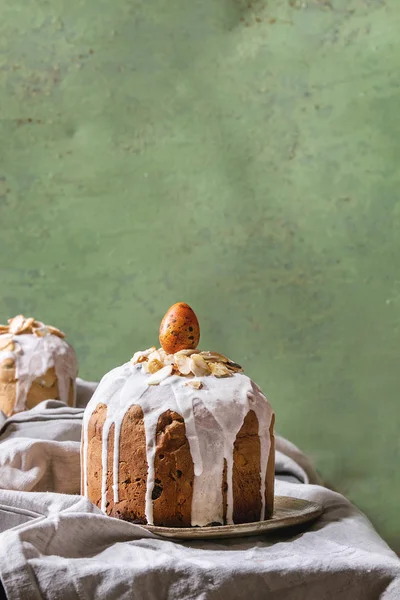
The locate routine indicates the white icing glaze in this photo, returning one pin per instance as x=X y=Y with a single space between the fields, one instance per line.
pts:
x=34 y=356
x=213 y=416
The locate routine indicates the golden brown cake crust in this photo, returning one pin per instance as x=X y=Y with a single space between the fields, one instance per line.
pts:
x=246 y=476
x=95 y=433
x=270 y=477
x=174 y=475
x=43 y=388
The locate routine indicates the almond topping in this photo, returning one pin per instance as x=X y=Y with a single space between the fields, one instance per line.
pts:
x=155 y=355
x=154 y=365
x=183 y=363
x=186 y=352
x=234 y=367
x=16 y=324
x=141 y=356
x=198 y=365
x=27 y=325
x=160 y=375
x=215 y=357
x=41 y=331
x=55 y=331
x=195 y=383
x=166 y=359
x=219 y=370
x=19 y=325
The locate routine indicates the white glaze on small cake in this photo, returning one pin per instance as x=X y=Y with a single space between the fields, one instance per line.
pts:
x=213 y=416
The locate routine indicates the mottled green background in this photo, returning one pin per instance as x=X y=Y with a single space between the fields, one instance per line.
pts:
x=241 y=156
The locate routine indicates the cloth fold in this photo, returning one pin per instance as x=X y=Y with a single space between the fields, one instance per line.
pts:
x=56 y=544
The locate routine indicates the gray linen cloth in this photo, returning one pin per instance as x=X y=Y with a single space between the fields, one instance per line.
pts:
x=54 y=544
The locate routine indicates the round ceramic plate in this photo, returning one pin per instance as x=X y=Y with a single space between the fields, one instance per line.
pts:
x=287 y=513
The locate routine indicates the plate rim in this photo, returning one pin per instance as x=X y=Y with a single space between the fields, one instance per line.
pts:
x=310 y=512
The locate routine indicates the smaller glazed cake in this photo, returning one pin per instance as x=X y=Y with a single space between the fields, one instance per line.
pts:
x=179 y=437
x=36 y=364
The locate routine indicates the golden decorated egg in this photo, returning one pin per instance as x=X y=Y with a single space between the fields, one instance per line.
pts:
x=179 y=329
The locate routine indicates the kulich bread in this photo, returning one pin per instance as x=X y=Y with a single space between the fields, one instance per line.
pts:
x=179 y=449
x=36 y=364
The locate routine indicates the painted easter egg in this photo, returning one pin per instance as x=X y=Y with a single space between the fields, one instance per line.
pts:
x=179 y=329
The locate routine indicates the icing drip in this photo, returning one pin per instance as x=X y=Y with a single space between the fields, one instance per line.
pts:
x=264 y=417
x=110 y=385
x=213 y=416
x=34 y=356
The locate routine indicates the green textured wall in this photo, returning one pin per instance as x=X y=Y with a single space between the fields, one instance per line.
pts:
x=242 y=156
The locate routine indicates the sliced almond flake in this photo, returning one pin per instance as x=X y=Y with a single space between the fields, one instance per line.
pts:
x=198 y=365
x=154 y=365
x=142 y=359
x=16 y=323
x=162 y=353
x=183 y=363
x=155 y=355
x=186 y=352
x=27 y=325
x=3 y=329
x=195 y=383
x=55 y=331
x=214 y=357
x=235 y=367
x=159 y=376
x=145 y=366
x=219 y=369
x=142 y=355
x=166 y=359
x=6 y=341
x=37 y=323
x=175 y=370
x=41 y=331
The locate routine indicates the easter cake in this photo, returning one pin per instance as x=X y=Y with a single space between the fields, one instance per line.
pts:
x=179 y=437
x=36 y=364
